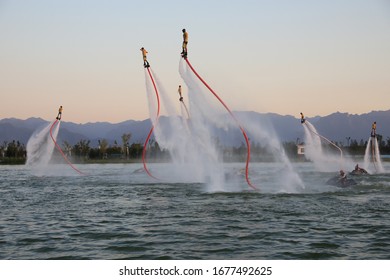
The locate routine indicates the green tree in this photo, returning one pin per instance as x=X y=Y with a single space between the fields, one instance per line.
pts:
x=103 y=145
x=82 y=148
x=136 y=150
x=125 y=144
x=3 y=149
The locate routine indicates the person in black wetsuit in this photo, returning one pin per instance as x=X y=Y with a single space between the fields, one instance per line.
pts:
x=59 y=113
x=302 y=118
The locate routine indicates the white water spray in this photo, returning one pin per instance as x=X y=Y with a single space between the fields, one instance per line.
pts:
x=40 y=148
x=287 y=178
x=323 y=161
x=372 y=158
x=194 y=155
x=205 y=115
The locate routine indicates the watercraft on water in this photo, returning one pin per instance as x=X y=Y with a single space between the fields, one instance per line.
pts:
x=341 y=180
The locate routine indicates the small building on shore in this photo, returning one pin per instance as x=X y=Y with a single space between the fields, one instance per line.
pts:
x=300 y=149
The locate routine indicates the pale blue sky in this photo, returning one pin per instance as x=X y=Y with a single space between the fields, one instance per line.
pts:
x=279 y=56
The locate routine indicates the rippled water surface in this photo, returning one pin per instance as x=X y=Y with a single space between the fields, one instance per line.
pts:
x=117 y=213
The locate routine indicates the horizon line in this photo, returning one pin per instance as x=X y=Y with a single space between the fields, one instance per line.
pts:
x=235 y=111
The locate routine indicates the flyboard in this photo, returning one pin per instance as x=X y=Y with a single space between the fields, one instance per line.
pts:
x=57 y=121
x=231 y=114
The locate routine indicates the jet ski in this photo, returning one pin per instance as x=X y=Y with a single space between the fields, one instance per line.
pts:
x=341 y=182
x=360 y=171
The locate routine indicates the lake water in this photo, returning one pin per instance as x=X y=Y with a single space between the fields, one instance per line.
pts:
x=116 y=212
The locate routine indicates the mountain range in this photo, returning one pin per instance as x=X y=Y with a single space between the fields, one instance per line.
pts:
x=337 y=127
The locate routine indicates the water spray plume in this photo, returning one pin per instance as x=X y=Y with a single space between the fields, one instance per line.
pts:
x=185 y=108
x=60 y=150
x=235 y=119
x=193 y=156
x=40 y=148
x=372 y=155
x=312 y=130
x=153 y=125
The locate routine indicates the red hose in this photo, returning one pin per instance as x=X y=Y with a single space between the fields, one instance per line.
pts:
x=60 y=150
x=235 y=119
x=151 y=130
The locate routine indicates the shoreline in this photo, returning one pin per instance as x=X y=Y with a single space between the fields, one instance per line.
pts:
x=22 y=161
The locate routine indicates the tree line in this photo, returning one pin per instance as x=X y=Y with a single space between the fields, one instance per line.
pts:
x=14 y=152
x=83 y=151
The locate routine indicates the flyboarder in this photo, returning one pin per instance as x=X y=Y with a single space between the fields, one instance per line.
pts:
x=144 y=52
x=302 y=118
x=59 y=113
x=181 y=100
x=179 y=91
x=373 y=130
x=185 y=42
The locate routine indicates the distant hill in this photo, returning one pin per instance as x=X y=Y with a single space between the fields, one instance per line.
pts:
x=337 y=127
x=21 y=130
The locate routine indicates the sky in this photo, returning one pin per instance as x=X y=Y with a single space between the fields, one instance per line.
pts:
x=279 y=56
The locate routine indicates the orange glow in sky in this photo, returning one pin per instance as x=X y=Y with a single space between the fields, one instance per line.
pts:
x=279 y=56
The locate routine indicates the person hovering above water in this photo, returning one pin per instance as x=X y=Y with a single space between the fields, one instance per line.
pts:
x=302 y=118
x=185 y=42
x=179 y=91
x=373 y=130
x=144 y=52
x=59 y=113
